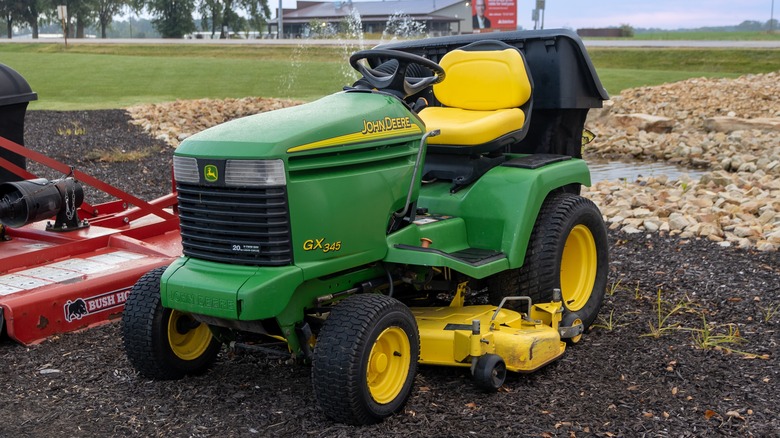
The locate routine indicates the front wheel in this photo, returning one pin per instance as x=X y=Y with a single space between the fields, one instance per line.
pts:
x=568 y=250
x=161 y=343
x=365 y=360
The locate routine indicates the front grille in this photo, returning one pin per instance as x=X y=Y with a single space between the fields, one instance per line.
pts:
x=235 y=225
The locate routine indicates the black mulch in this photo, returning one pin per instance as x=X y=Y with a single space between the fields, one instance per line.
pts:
x=630 y=376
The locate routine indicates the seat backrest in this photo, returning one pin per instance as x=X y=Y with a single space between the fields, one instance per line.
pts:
x=484 y=76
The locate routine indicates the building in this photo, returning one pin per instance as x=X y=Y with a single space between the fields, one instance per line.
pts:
x=440 y=17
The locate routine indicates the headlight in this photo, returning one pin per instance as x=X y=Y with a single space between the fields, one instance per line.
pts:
x=185 y=170
x=254 y=173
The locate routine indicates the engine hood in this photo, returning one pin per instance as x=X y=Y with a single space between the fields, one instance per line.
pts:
x=341 y=120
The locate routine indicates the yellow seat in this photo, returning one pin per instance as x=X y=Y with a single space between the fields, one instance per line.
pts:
x=486 y=85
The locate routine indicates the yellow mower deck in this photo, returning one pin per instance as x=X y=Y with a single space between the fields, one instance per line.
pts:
x=449 y=335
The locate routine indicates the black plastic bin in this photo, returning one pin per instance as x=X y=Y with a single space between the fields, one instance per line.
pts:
x=15 y=94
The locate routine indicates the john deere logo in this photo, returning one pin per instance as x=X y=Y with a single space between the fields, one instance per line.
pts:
x=210 y=173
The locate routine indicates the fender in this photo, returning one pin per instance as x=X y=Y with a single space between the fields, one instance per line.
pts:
x=498 y=211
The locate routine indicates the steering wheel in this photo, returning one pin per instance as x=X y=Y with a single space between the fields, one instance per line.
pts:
x=398 y=79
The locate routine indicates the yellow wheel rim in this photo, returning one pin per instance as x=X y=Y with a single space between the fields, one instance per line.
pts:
x=577 y=338
x=578 y=268
x=388 y=365
x=191 y=344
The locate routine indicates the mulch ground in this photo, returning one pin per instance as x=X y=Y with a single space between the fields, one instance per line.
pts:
x=686 y=345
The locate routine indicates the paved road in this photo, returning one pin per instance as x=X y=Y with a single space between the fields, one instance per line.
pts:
x=371 y=43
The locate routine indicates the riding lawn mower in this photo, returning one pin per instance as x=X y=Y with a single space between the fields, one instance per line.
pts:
x=428 y=214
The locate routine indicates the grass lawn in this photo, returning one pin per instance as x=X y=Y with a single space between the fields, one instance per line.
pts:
x=708 y=35
x=619 y=69
x=116 y=76
x=87 y=77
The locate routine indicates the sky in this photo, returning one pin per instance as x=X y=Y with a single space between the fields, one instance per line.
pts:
x=664 y=14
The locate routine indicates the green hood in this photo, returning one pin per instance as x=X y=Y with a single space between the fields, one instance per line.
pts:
x=338 y=120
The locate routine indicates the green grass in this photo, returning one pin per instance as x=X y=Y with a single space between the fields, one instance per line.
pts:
x=115 y=76
x=619 y=69
x=709 y=36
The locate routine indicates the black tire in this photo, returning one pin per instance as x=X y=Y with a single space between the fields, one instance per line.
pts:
x=161 y=343
x=547 y=266
x=490 y=372
x=356 y=379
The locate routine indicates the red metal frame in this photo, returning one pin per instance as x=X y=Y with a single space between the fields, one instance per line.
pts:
x=56 y=282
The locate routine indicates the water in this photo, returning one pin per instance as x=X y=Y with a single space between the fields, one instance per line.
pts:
x=350 y=37
x=401 y=25
x=630 y=171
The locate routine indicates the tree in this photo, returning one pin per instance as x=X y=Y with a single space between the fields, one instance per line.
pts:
x=211 y=17
x=8 y=14
x=626 y=30
x=224 y=14
x=29 y=11
x=749 y=25
x=80 y=12
x=258 y=14
x=22 y=12
x=173 y=18
x=106 y=10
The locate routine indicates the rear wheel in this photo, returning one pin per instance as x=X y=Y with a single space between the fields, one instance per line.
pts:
x=365 y=360
x=568 y=250
x=164 y=343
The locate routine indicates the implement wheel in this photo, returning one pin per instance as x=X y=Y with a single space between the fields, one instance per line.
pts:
x=490 y=372
x=162 y=343
x=365 y=360
x=568 y=250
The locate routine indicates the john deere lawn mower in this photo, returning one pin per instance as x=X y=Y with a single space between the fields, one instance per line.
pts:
x=428 y=214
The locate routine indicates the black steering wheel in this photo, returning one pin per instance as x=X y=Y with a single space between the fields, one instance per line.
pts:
x=396 y=80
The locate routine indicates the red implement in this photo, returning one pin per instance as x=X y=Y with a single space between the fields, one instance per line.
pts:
x=60 y=281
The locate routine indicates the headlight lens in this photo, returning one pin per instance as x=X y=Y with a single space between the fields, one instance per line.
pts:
x=255 y=173
x=185 y=170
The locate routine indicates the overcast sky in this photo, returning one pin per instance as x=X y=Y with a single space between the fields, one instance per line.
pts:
x=665 y=14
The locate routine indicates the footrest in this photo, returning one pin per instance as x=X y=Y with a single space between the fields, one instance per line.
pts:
x=470 y=256
x=536 y=161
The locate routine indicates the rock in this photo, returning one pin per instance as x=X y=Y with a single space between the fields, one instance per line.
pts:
x=677 y=221
x=644 y=122
x=731 y=124
x=766 y=246
x=652 y=225
x=745 y=232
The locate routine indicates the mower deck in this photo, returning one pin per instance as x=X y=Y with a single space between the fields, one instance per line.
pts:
x=451 y=336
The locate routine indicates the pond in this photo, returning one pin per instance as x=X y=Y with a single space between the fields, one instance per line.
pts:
x=619 y=170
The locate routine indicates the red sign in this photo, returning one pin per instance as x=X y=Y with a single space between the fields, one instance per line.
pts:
x=489 y=15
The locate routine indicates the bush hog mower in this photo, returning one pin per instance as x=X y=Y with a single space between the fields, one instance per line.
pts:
x=358 y=229
x=66 y=264
x=75 y=270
